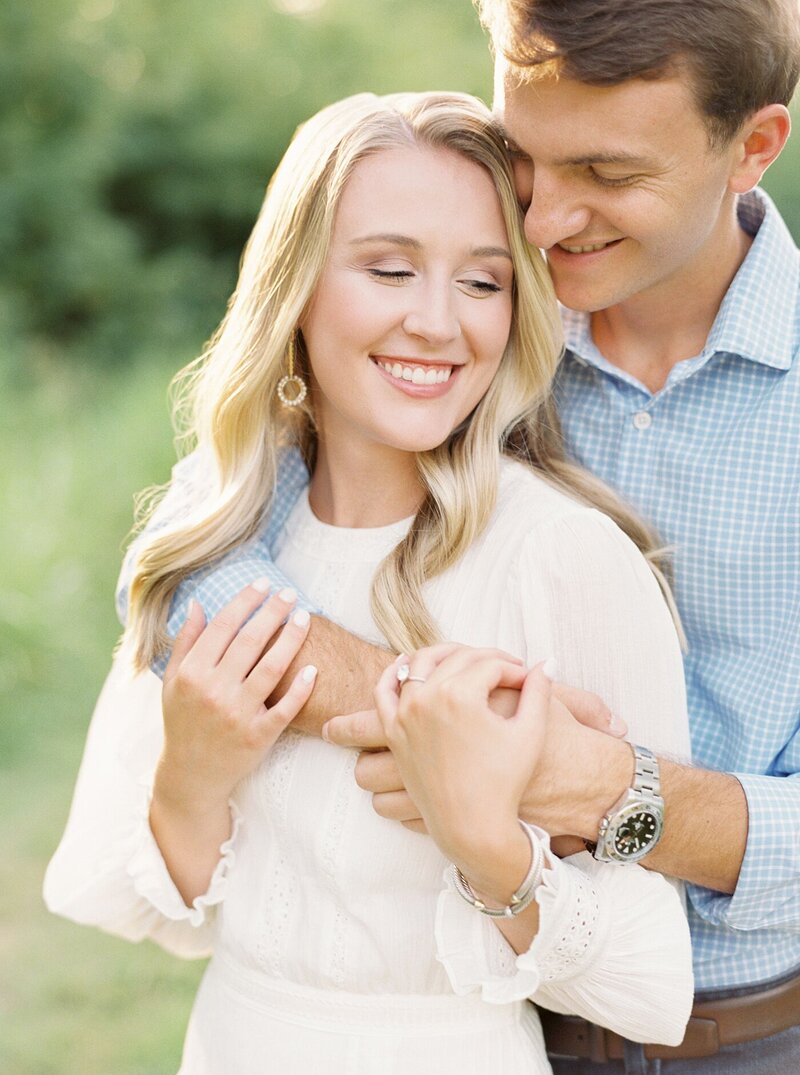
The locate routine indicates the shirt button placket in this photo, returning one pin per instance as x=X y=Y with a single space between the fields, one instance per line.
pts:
x=642 y=420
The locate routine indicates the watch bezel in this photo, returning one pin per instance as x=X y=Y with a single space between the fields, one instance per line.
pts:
x=610 y=826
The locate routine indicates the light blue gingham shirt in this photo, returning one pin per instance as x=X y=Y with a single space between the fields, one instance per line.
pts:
x=713 y=460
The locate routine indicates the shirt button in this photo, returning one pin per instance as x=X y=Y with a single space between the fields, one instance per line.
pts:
x=642 y=420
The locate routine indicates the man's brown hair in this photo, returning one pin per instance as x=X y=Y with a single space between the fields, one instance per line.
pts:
x=741 y=54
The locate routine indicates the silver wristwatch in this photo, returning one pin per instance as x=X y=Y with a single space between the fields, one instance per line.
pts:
x=633 y=825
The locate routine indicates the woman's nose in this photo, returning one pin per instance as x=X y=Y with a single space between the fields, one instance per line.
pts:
x=432 y=315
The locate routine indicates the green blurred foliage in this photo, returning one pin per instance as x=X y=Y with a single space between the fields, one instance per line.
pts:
x=139 y=138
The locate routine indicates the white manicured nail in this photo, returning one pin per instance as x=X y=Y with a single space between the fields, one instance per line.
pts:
x=301 y=618
x=288 y=595
x=190 y=607
x=261 y=585
x=550 y=668
x=309 y=673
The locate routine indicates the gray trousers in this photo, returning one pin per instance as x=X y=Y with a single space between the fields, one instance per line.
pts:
x=778 y=1055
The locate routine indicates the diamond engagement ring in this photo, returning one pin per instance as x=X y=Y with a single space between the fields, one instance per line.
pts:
x=404 y=676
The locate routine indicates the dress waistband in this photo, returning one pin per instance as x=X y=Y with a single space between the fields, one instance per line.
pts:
x=361 y=1012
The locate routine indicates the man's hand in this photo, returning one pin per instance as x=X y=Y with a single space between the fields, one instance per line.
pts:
x=378 y=773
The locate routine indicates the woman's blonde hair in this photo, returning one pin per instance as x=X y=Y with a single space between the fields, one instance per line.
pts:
x=228 y=409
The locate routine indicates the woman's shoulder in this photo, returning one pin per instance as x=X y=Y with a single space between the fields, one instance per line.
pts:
x=527 y=501
x=535 y=516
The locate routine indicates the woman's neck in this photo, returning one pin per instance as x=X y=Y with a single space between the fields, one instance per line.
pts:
x=360 y=485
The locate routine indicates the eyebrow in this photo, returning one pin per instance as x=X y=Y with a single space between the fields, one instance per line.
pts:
x=415 y=244
x=626 y=159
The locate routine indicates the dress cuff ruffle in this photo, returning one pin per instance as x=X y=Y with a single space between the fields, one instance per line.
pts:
x=151 y=878
x=476 y=956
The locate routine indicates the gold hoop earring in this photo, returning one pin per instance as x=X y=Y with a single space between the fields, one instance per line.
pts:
x=298 y=389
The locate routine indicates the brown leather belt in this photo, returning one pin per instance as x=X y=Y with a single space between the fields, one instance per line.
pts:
x=713 y=1023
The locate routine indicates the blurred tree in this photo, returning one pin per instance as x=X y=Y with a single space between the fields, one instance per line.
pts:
x=140 y=137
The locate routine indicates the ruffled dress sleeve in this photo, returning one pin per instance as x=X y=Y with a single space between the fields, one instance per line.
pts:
x=108 y=870
x=613 y=943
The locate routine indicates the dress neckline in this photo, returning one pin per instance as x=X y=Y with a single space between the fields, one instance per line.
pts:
x=343 y=544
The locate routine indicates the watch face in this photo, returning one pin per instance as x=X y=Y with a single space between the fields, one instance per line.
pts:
x=636 y=833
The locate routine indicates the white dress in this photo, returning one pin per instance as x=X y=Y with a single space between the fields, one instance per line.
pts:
x=338 y=945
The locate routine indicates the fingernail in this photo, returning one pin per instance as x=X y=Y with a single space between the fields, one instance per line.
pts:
x=190 y=607
x=301 y=618
x=617 y=725
x=261 y=585
x=288 y=595
x=549 y=668
x=400 y=658
x=309 y=673
x=324 y=732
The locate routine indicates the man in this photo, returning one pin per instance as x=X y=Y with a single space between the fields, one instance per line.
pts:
x=640 y=129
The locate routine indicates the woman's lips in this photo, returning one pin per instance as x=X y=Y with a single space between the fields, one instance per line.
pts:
x=420 y=379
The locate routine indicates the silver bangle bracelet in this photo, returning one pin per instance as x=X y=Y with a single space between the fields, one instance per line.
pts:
x=524 y=895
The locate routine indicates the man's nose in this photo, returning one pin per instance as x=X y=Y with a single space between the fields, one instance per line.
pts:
x=433 y=314
x=555 y=213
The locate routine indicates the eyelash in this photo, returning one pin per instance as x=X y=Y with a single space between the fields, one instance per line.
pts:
x=485 y=286
x=389 y=274
x=403 y=274
x=604 y=181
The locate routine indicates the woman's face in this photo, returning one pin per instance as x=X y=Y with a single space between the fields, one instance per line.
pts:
x=412 y=313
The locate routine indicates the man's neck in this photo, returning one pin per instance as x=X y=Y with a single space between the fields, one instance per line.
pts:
x=651 y=332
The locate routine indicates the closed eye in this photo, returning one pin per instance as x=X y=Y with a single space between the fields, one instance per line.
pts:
x=609 y=181
x=485 y=287
x=395 y=275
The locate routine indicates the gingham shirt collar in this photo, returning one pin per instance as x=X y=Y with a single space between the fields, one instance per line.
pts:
x=752 y=320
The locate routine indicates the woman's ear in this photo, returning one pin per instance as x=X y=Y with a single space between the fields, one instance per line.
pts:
x=757 y=145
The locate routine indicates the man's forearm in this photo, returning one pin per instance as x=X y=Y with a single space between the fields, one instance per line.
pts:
x=705 y=827
x=705 y=816
x=348 y=668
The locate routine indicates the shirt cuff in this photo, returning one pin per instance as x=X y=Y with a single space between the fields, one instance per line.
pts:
x=767 y=893
x=215 y=586
x=152 y=881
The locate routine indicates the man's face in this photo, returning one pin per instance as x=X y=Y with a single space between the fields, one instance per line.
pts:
x=620 y=186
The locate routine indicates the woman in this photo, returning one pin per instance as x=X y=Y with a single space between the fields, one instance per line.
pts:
x=391 y=321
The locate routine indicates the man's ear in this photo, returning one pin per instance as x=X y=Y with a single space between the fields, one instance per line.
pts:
x=757 y=145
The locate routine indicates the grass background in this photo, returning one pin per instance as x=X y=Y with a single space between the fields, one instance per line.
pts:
x=76 y=444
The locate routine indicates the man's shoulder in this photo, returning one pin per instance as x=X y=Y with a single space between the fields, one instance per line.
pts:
x=759 y=318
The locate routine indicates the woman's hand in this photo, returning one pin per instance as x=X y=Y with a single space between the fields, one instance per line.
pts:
x=465 y=767
x=217 y=724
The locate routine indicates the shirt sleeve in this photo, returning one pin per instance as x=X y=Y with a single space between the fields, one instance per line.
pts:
x=108 y=870
x=185 y=485
x=613 y=943
x=767 y=893
x=613 y=946
x=216 y=584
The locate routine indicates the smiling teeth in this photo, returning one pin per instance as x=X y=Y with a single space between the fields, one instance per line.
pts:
x=416 y=374
x=583 y=249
